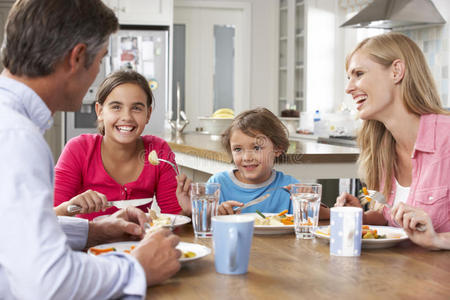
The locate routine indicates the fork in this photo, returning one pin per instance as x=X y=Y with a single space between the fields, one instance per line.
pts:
x=279 y=187
x=170 y=163
x=379 y=197
x=154 y=160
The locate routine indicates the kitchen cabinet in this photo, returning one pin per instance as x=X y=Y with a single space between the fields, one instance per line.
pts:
x=309 y=59
x=143 y=12
x=5 y=6
x=292 y=54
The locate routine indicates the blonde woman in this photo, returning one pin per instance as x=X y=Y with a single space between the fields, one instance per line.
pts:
x=405 y=137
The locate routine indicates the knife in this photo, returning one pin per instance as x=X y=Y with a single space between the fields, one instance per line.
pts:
x=119 y=204
x=253 y=202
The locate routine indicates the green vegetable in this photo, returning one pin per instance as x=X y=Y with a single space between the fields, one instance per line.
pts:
x=260 y=214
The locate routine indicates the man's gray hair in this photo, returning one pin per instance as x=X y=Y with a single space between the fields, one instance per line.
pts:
x=39 y=34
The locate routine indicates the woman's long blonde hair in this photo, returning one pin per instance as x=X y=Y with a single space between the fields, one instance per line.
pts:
x=377 y=161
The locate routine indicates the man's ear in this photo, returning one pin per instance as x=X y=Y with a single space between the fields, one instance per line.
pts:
x=98 y=111
x=398 y=69
x=77 y=57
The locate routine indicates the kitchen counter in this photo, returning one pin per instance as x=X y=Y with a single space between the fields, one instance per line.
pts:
x=304 y=160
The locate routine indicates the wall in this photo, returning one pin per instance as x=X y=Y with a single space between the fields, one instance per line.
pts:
x=264 y=52
x=320 y=57
x=434 y=42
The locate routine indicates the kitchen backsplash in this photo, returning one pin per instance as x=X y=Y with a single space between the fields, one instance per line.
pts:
x=434 y=42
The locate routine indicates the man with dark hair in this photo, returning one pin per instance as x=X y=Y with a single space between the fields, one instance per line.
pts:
x=52 y=52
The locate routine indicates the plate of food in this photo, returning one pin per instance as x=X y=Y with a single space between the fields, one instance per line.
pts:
x=166 y=220
x=373 y=237
x=273 y=223
x=161 y=220
x=189 y=251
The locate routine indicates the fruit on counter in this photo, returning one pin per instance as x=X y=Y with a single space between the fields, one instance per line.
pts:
x=224 y=113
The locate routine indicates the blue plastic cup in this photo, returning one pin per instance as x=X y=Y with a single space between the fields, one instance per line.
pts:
x=232 y=240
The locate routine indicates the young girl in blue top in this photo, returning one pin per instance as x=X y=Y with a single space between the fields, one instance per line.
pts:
x=254 y=140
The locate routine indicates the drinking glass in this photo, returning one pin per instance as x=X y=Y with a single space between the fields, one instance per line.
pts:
x=306 y=205
x=205 y=202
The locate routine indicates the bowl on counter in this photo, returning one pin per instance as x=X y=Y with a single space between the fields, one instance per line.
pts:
x=291 y=124
x=214 y=126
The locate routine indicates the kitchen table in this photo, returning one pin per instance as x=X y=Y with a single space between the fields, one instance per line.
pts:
x=282 y=267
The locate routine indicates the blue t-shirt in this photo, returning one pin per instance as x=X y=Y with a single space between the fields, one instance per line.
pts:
x=232 y=189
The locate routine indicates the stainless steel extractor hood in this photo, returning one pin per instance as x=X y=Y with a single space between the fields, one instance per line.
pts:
x=396 y=14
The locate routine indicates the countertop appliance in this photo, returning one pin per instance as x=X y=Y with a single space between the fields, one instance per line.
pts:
x=144 y=49
x=347 y=141
x=396 y=14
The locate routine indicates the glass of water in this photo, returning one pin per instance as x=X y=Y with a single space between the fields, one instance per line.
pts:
x=205 y=202
x=306 y=205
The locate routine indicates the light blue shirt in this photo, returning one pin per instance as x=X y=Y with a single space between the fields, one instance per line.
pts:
x=232 y=189
x=38 y=251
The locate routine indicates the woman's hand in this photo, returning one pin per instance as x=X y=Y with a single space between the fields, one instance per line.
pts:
x=89 y=201
x=409 y=218
x=226 y=208
x=346 y=199
x=183 y=189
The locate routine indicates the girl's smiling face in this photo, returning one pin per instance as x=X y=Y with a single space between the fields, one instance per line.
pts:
x=124 y=113
x=253 y=156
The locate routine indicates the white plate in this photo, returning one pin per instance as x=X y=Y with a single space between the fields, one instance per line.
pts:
x=199 y=250
x=270 y=229
x=394 y=236
x=180 y=220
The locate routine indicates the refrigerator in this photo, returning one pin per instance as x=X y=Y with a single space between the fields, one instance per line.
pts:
x=144 y=49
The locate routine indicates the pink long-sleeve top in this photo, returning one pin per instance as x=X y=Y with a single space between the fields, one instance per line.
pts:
x=80 y=167
x=430 y=186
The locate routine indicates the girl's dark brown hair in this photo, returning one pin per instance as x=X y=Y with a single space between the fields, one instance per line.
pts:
x=255 y=121
x=118 y=78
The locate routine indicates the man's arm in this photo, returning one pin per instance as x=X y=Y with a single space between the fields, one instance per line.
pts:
x=37 y=257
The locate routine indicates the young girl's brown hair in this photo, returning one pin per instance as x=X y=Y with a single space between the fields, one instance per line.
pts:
x=258 y=121
x=118 y=78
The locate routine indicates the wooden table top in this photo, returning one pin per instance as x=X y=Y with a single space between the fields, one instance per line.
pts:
x=210 y=147
x=282 y=267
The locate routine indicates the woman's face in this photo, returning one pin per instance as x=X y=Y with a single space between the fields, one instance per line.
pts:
x=124 y=113
x=254 y=156
x=371 y=86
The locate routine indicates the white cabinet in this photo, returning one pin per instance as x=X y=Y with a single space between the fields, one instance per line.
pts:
x=5 y=6
x=310 y=62
x=143 y=12
x=292 y=55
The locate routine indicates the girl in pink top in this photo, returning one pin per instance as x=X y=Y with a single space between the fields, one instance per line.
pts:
x=113 y=165
x=405 y=137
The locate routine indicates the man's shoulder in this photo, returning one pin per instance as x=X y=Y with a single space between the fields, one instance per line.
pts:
x=10 y=119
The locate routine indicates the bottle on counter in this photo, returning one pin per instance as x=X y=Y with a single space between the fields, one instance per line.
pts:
x=320 y=127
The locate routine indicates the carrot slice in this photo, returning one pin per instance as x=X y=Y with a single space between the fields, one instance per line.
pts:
x=364 y=189
x=97 y=251
x=283 y=212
